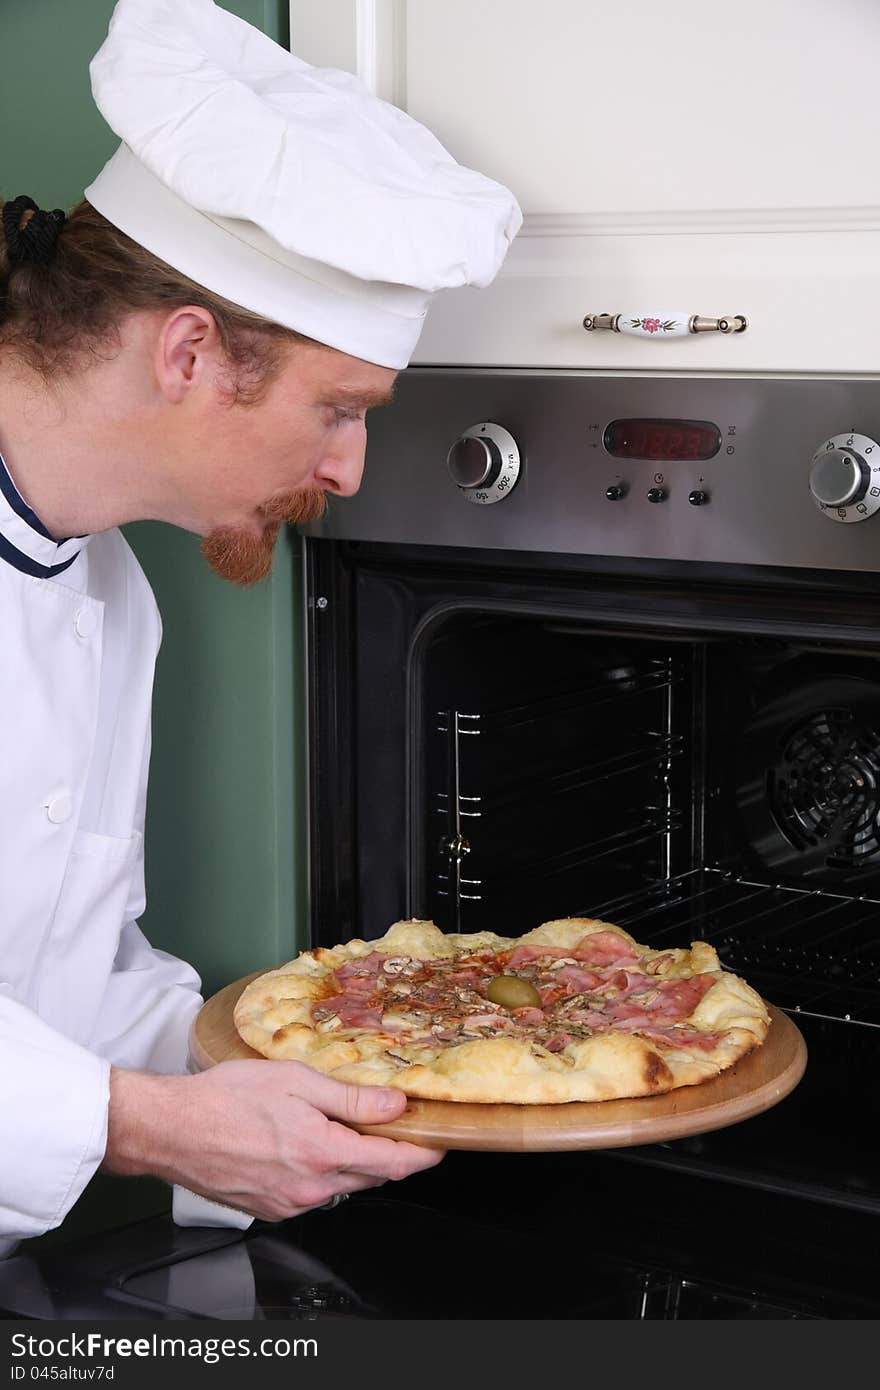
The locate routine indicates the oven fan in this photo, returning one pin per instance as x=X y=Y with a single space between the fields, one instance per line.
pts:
x=809 y=780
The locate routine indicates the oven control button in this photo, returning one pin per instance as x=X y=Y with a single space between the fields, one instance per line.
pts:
x=474 y=462
x=615 y=492
x=839 y=477
x=657 y=494
x=698 y=498
x=484 y=463
x=845 y=477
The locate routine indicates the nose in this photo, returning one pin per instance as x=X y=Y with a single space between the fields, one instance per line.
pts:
x=341 y=472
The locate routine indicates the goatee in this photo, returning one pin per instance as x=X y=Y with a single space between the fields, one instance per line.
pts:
x=239 y=555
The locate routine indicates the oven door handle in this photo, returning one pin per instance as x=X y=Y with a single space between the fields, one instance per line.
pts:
x=638 y=324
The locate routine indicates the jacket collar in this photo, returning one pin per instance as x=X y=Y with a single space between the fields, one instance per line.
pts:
x=24 y=541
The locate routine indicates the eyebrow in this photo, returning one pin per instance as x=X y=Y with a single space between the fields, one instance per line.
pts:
x=365 y=399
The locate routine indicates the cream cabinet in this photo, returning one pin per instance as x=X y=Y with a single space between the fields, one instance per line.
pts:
x=672 y=160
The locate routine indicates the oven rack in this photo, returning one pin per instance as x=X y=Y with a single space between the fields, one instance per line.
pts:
x=644 y=827
x=608 y=684
x=652 y=751
x=806 y=950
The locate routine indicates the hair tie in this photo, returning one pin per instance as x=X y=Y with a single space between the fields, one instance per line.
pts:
x=36 y=240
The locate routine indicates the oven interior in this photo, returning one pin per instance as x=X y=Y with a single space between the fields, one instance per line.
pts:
x=728 y=787
x=690 y=760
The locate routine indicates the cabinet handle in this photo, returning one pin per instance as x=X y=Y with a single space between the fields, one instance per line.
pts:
x=640 y=325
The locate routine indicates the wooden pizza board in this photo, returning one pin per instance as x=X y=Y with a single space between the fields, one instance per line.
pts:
x=754 y=1084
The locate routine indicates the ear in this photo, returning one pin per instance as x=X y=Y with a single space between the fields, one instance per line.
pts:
x=187 y=350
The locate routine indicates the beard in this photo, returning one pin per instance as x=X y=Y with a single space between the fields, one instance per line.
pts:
x=237 y=554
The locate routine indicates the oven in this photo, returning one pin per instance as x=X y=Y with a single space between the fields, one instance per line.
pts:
x=641 y=683
x=605 y=646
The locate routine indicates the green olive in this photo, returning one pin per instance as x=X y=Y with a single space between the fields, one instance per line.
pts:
x=513 y=993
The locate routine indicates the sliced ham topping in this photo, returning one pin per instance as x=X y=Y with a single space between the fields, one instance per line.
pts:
x=361 y=1016
x=360 y=986
x=599 y=948
x=531 y=1017
x=429 y=997
x=354 y=1012
x=551 y=994
x=523 y=955
x=604 y=948
x=679 y=1037
x=591 y=1018
x=678 y=998
x=361 y=965
x=667 y=1001
x=622 y=1010
x=576 y=980
x=622 y=983
x=495 y=1020
x=471 y=974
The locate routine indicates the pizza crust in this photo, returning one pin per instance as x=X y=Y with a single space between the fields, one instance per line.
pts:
x=274 y=1016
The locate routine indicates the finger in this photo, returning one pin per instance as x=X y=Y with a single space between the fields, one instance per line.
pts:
x=383 y=1158
x=366 y=1105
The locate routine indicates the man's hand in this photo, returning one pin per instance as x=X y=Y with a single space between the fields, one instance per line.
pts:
x=270 y=1138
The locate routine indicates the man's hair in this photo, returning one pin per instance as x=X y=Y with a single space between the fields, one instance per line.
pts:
x=61 y=316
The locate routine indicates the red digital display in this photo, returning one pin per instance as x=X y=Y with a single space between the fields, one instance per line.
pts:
x=663 y=441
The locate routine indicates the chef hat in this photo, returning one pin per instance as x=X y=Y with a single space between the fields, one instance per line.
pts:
x=290 y=190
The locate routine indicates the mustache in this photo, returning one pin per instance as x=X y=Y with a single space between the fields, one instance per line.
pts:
x=236 y=554
x=296 y=508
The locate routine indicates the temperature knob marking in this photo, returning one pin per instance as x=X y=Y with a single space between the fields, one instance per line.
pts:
x=484 y=463
x=845 y=477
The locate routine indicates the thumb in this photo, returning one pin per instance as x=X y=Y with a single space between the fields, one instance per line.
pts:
x=367 y=1105
x=339 y=1100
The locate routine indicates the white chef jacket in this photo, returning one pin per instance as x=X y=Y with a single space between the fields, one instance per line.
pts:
x=80 y=986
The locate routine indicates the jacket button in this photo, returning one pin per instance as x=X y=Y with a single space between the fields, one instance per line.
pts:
x=85 y=622
x=60 y=808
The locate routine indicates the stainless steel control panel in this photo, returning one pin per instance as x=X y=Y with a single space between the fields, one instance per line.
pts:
x=736 y=470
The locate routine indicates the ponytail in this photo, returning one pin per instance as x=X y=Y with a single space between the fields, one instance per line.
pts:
x=67 y=283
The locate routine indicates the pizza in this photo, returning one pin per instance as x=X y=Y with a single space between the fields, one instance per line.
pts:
x=575 y=1010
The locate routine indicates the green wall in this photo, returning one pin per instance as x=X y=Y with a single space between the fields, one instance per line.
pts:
x=223 y=887
x=224 y=841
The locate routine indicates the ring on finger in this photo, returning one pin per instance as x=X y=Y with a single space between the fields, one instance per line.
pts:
x=334 y=1201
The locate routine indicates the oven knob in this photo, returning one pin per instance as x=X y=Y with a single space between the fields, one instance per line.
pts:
x=845 y=477
x=484 y=463
x=838 y=477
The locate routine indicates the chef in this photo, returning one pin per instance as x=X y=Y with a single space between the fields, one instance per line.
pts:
x=197 y=342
